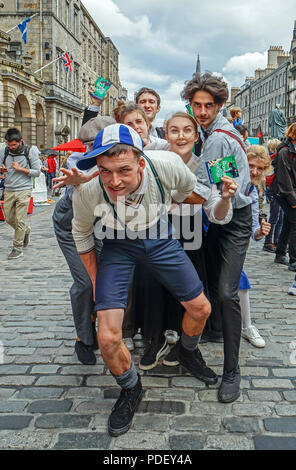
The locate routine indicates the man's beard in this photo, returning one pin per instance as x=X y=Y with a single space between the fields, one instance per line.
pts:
x=18 y=151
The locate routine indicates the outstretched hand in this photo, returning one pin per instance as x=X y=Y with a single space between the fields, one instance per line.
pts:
x=229 y=187
x=73 y=178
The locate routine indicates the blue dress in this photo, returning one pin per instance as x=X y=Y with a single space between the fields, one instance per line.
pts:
x=253 y=193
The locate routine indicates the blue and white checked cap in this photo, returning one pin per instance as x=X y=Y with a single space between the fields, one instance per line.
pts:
x=107 y=138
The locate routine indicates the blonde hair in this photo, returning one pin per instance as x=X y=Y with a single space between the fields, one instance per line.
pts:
x=123 y=109
x=181 y=114
x=272 y=145
x=291 y=132
x=234 y=110
x=258 y=151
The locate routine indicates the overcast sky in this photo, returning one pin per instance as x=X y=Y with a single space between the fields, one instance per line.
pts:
x=158 y=40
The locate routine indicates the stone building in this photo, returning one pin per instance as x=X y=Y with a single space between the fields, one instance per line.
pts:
x=291 y=99
x=258 y=96
x=59 y=26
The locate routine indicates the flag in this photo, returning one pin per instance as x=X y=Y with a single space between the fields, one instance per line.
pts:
x=68 y=59
x=23 y=29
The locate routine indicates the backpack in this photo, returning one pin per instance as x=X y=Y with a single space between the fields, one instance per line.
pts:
x=26 y=153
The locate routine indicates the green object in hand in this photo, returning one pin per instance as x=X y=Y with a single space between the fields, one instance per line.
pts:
x=102 y=85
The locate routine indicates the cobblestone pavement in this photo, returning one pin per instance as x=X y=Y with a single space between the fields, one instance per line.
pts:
x=48 y=400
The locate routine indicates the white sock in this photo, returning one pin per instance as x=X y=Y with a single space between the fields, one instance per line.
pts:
x=245 y=307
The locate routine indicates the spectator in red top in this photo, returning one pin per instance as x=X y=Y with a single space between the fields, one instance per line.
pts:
x=51 y=172
x=276 y=214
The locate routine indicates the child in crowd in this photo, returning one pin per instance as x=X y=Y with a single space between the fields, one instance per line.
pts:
x=236 y=115
x=259 y=164
x=276 y=214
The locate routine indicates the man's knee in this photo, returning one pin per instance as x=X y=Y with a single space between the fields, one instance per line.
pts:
x=109 y=332
x=109 y=341
x=199 y=307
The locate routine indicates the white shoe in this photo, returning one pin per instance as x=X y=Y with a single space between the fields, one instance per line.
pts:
x=253 y=336
x=171 y=336
x=292 y=289
x=129 y=343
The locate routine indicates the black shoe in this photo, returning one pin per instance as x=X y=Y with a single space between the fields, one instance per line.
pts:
x=194 y=363
x=281 y=259
x=269 y=247
x=172 y=357
x=212 y=337
x=123 y=411
x=229 y=389
x=85 y=353
x=157 y=348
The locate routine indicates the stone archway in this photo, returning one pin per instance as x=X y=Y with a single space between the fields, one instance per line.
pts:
x=23 y=117
x=40 y=126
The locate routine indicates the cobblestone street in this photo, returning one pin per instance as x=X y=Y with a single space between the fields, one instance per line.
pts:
x=48 y=400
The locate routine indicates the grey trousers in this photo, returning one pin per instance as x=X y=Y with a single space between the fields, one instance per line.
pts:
x=81 y=291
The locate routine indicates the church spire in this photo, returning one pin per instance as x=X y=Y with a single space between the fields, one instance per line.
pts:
x=198 y=68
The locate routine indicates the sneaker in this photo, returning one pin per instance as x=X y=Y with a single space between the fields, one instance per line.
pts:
x=281 y=260
x=157 y=348
x=292 y=289
x=194 y=363
x=129 y=343
x=85 y=353
x=123 y=411
x=172 y=357
x=253 y=336
x=229 y=389
x=15 y=254
x=27 y=238
x=269 y=247
x=292 y=266
x=171 y=336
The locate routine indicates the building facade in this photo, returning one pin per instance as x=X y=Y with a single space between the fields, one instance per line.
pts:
x=60 y=26
x=258 y=96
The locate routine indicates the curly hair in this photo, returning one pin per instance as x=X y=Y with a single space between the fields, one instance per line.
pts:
x=215 y=86
x=258 y=151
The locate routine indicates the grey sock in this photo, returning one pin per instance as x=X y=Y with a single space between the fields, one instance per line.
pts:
x=189 y=342
x=128 y=379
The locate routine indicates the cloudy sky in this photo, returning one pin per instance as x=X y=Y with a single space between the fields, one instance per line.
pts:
x=158 y=40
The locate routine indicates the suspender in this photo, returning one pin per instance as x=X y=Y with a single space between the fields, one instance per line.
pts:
x=231 y=135
x=158 y=182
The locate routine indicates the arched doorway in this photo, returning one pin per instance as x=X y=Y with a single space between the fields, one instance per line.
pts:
x=23 y=117
x=40 y=127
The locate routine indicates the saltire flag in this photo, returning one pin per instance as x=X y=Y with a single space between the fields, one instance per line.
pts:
x=68 y=59
x=23 y=29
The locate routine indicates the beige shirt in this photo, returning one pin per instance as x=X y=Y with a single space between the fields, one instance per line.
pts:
x=88 y=200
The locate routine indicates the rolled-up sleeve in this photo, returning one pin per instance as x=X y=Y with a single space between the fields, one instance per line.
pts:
x=83 y=221
x=210 y=204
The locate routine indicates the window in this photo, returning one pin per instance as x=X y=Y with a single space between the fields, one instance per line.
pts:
x=59 y=118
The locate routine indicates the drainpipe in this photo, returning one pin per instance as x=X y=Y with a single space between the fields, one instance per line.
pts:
x=41 y=36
